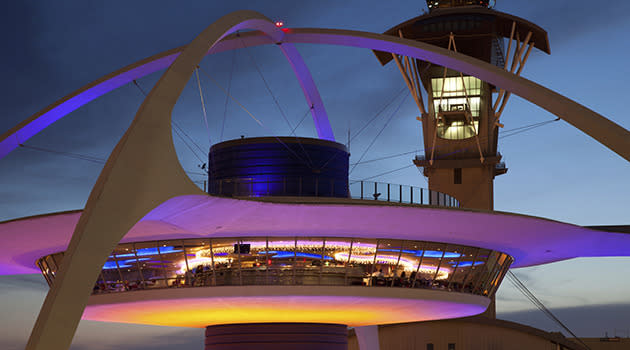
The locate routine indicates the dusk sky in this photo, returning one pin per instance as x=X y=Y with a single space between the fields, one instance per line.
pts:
x=555 y=171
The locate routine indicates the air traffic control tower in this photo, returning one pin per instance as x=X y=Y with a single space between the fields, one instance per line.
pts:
x=461 y=121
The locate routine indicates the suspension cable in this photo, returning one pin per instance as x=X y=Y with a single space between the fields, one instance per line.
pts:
x=531 y=297
x=301 y=120
x=380 y=131
x=81 y=156
x=181 y=130
x=516 y=131
x=387 y=157
x=525 y=128
x=203 y=105
x=385 y=173
x=262 y=77
x=227 y=96
x=188 y=145
x=506 y=133
x=177 y=127
x=398 y=94
x=230 y=96
x=66 y=154
x=252 y=116
x=275 y=100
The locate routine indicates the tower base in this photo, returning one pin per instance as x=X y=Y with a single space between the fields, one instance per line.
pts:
x=277 y=336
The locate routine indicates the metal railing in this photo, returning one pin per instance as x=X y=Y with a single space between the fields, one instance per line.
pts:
x=297 y=260
x=265 y=186
x=381 y=191
x=329 y=187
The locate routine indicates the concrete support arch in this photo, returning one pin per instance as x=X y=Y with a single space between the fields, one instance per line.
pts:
x=142 y=172
x=39 y=121
x=591 y=123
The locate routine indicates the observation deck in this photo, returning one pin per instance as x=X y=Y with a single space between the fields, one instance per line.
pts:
x=308 y=260
x=356 y=189
x=296 y=261
x=424 y=280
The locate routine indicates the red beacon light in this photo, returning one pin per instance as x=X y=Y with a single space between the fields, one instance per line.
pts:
x=279 y=24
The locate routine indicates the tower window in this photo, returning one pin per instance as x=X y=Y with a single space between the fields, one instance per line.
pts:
x=457 y=176
x=429 y=346
x=456 y=102
x=451 y=346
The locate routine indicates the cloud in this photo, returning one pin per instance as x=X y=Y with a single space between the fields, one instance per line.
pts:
x=110 y=336
x=33 y=282
x=584 y=321
x=567 y=20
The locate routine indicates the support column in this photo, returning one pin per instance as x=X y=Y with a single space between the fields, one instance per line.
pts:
x=491 y=311
x=277 y=336
x=367 y=336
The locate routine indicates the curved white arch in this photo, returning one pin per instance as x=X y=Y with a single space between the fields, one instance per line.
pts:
x=593 y=124
x=142 y=172
x=17 y=135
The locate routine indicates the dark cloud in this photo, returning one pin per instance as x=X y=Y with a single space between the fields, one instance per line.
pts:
x=585 y=321
x=22 y=63
x=568 y=20
x=35 y=283
x=112 y=336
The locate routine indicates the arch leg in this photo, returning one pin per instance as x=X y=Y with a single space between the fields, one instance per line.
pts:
x=142 y=172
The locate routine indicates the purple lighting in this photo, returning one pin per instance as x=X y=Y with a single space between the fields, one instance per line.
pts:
x=541 y=96
x=534 y=240
x=283 y=255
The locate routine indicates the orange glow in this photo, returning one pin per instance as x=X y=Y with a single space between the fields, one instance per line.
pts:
x=352 y=311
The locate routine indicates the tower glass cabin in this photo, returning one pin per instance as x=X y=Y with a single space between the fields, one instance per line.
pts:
x=461 y=116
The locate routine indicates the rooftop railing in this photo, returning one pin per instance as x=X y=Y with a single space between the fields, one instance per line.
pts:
x=326 y=187
x=387 y=192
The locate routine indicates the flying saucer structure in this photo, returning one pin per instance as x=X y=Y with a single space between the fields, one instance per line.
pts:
x=277 y=241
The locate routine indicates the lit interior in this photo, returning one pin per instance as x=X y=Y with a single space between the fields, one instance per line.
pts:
x=298 y=261
x=453 y=103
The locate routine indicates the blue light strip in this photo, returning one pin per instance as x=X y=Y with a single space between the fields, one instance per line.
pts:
x=427 y=254
x=284 y=254
x=109 y=265
x=148 y=251
x=466 y=263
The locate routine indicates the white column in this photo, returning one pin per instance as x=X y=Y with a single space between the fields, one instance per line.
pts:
x=367 y=336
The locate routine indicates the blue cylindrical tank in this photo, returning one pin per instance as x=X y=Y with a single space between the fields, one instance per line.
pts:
x=278 y=166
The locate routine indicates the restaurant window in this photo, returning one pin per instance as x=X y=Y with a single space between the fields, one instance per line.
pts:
x=224 y=256
x=171 y=254
x=253 y=257
x=461 y=265
x=310 y=257
x=198 y=261
x=282 y=257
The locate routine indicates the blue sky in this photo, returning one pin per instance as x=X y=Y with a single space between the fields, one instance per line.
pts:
x=554 y=171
